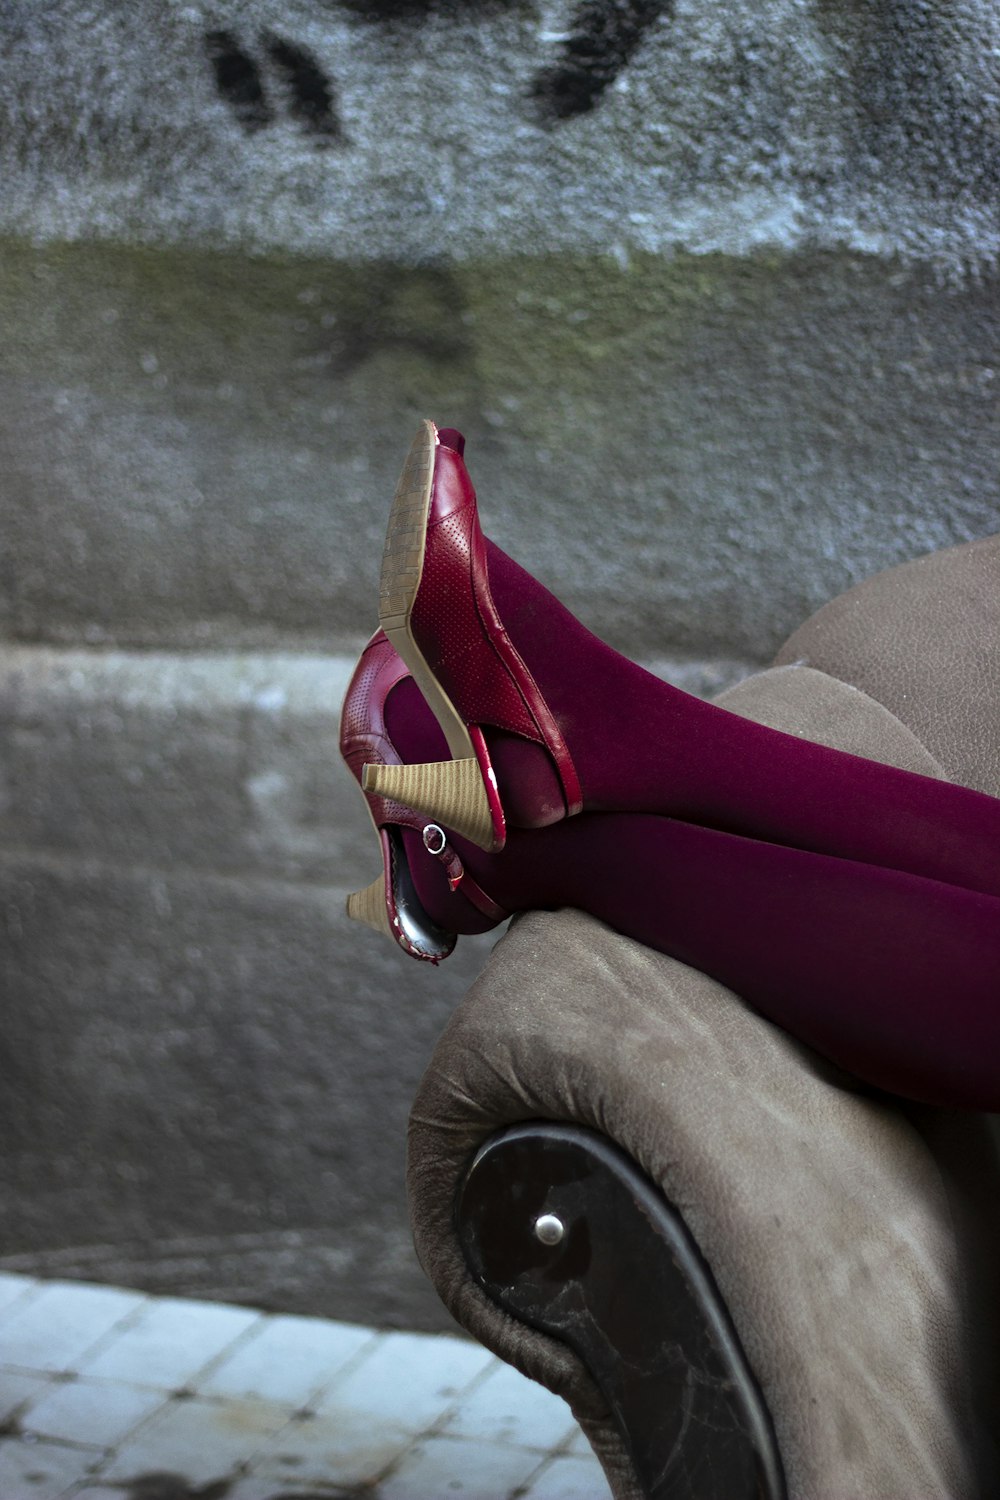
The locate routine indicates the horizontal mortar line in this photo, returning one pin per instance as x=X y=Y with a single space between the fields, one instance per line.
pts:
x=233 y=1244
x=57 y=862
x=332 y=652
x=306 y=648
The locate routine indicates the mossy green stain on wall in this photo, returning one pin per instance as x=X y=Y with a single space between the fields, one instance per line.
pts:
x=694 y=451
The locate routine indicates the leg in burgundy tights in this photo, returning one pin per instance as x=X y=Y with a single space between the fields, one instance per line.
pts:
x=893 y=977
x=641 y=745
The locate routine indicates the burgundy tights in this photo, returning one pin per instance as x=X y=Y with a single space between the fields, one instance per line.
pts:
x=640 y=745
x=891 y=976
x=832 y=894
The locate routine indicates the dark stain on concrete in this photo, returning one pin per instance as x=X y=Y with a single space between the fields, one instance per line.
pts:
x=305 y=94
x=604 y=36
x=310 y=93
x=238 y=80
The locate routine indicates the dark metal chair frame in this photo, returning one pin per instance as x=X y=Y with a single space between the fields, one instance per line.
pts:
x=564 y=1232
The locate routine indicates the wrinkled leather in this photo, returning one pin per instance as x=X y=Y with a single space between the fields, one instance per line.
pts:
x=365 y=740
x=448 y=616
x=825 y=1219
x=855 y=1241
x=923 y=640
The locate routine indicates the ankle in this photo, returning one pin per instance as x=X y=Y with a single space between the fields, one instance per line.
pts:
x=527 y=781
x=448 y=909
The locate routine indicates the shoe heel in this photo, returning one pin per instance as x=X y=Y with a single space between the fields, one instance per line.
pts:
x=368 y=907
x=450 y=792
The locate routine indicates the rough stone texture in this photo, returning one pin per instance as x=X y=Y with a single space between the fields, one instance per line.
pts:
x=406 y=130
x=206 y=1086
x=199 y=450
x=207 y=1070
x=218 y=763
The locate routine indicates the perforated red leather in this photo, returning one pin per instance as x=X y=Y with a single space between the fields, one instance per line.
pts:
x=456 y=624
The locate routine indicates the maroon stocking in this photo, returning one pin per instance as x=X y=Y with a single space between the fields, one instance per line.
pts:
x=641 y=745
x=891 y=975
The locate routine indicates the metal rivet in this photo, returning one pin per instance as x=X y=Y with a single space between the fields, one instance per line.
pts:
x=434 y=839
x=549 y=1229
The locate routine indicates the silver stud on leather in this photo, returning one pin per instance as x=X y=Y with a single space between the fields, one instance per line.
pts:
x=549 y=1230
x=434 y=839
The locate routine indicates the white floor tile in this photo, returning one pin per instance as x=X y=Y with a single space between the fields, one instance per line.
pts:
x=38 y=1470
x=94 y=1412
x=408 y=1379
x=12 y=1289
x=570 y=1478
x=334 y=1449
x=17 y=1388
x=508 y=1408
x=440 y=1416
x=202 y=1440
x=286 y=1360
x=448 y=1467
x=54 y=1330
x=270 y=1489
x=170 y=1342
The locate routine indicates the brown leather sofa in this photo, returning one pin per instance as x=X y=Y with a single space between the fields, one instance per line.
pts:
x=747 y=1275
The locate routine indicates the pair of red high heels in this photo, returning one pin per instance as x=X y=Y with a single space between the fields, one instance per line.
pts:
x=439 y=624
x=855 y=904
x=536 y=718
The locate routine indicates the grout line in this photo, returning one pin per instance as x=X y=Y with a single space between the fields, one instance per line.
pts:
x=247 y=1336
x=116 y=1331
x=327 y=1389
x=56 y=862
x=528 y=1484
x=97 y=1451
x=33 y=1289
x=358 y=1358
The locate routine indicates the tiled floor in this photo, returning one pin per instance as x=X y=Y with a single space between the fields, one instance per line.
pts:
x=113 y=1395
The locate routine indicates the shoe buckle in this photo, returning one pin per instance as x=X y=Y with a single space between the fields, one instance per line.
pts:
x=434 y=839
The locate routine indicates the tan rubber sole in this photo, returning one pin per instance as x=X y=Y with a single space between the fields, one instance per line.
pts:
x=452 y=793
x=402 y=569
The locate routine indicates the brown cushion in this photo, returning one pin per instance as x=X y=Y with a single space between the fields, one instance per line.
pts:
x=924 y=641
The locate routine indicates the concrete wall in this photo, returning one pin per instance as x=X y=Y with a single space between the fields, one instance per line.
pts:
x=713 y=295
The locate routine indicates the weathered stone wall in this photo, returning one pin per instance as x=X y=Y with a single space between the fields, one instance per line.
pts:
x=409 y=131
x=199 y=450
x=712 y=292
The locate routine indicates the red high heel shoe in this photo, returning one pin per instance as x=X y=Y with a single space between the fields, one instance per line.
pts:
x=455 y=645
x=390 y=904
x=484 y=640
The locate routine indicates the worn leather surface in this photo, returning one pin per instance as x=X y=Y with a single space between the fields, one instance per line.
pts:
x=855 y=1242
x=924 y=641
x=456 y=624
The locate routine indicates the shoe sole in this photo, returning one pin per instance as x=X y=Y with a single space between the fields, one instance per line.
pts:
x=399 y=584
x=452 y=792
